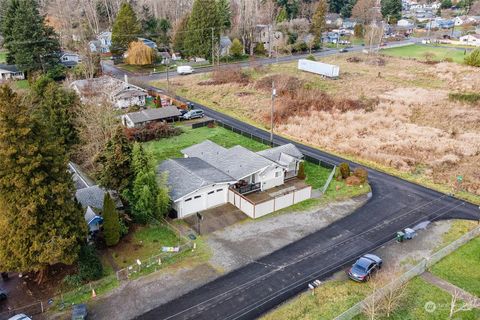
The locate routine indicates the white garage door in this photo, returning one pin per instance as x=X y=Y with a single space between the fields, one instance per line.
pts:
x=216 y=197
x=193 y=204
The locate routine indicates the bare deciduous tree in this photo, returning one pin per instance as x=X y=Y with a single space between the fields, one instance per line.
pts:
x=457 y=304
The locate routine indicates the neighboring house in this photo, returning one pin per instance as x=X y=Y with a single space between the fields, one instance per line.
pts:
x=120 y=94
x=202 y=179
x=140 y=118
x=404 y=23
x=331 y=37
x=102 y=44
x=69 y=60
x=270 y=38
x=91 y=197
x=349 y=24
x=334 y=19
x=165 y=57
x=471 y=39
x=458 y=21
x=10 y=72
x=149 y=43
x=225 y=44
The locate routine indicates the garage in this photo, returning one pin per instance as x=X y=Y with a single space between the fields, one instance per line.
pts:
x=192 y=205
x=216 y=197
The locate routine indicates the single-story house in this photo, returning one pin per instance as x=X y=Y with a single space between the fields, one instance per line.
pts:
x=10 y=72
x=140 y=118
x=69 y=60
x=202 y=179
x=471 y=39
x=166 y=57
x=333 y=19
x=120 y=94
x=91 y=197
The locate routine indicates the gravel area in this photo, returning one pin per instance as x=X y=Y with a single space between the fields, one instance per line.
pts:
x=241 y=243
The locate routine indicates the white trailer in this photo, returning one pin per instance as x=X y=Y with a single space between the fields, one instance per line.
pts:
x=324 y=69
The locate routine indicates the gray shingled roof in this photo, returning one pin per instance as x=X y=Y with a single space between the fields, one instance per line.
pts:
x=275 y=153
x=154 y=114
x=204 y=149
x=93 y=197
x=185 y=175
x=237 y=162
x=80 y=179
x=9 y=67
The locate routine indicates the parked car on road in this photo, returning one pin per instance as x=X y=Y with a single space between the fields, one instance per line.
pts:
x=79 y=312
x=343 y=50
x=20 y=316
x=365 y=267
x=184 y=70
x=3 y=294
x=192 y=114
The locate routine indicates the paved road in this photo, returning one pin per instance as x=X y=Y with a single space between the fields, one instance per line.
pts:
x=109 y=68
x=248 y=292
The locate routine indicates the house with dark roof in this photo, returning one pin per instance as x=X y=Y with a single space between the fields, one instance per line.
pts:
x=69 y=59
x=10 y=72
x=202 y=179
x=141 y=118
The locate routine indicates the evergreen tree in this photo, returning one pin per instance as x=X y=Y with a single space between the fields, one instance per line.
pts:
x=236 y=49
x=147 y=196
x=446 y=4
x=337 y=5
x=180 y=35
x=346 y=11
x=40 y=223
x=111 y=222
x=126 y=29
x=391 y=9
x=163 y=27
x=31 y=44
x=318 y=20
x=115 y=162
x=225 y=14
x=56 y=106
x=282 y=15
x=204 y=21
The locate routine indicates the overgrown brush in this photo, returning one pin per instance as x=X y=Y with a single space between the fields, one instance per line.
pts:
x=228 y=74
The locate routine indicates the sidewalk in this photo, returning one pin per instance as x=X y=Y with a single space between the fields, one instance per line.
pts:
x=450 y=288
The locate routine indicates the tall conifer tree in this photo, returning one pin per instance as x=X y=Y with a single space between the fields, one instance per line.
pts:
x=126 y=28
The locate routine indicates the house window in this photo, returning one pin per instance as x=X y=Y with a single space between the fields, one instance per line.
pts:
x=219 y=190
x=211 y=192
x=277 y=174
x=65 y=58
x=196 y=197
x=188 y=199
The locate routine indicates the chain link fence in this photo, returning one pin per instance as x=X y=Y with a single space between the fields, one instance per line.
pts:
x=32 y=309
x=417 y=270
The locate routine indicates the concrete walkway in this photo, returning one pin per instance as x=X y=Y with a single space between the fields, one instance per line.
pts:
x=451 y=288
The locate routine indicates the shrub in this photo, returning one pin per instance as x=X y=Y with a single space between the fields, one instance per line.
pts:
x=344 y=170
x=236 y=50
x=89 y=265
x=228 y=74
x=72 y=280
x=473 y=59
x=354 y=59
x=448 y=59
x=152 y=131
x=362 y=174
x=353 y=181
x=311 y=57
x=300 y=47
x=301 y=171
x=259 y=49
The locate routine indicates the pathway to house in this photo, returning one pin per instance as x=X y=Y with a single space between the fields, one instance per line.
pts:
x=451 y=288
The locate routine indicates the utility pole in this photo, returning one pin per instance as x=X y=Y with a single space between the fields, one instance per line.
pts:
x=274 y=93
x=269 y=41
x=213 y=53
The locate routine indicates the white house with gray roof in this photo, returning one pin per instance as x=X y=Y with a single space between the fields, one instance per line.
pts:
x=201 y=179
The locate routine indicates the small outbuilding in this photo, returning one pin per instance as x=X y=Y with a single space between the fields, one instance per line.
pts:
x=141 y=118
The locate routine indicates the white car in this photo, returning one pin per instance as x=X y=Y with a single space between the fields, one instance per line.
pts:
x=20 y=316
x=184 y=70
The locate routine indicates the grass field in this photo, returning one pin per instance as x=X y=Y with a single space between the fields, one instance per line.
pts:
x=462 y=267
x=418 y=52
x=418 y=293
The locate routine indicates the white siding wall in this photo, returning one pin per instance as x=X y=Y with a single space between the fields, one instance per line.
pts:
x=264 y=208
x=247 y=208
x=303 y=194
x=134 y=101
x=202 y=200
x=271 y=178
x=283 y=201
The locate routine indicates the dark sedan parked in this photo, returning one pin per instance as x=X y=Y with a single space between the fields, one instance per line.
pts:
x=364 y=268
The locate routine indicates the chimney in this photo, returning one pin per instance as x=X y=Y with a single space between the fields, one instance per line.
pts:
x=126 y=79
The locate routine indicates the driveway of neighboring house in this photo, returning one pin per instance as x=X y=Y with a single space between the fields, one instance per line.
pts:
x=216 y=218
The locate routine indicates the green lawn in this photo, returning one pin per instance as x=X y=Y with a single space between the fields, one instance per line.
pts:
x=21 y=84
x=418 y=52
x=144 y=242
x=462 y=267
x=418 y=293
